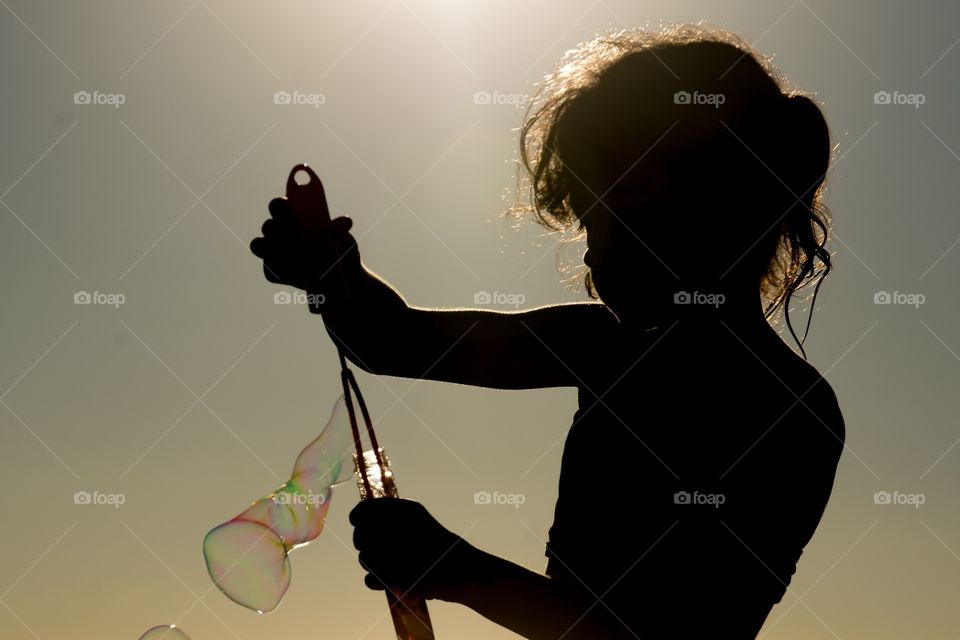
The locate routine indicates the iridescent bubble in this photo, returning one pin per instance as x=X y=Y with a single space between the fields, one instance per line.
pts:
x=164 y=632
x=247 y=555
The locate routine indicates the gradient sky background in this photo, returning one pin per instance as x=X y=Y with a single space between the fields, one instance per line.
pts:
x=158 y=199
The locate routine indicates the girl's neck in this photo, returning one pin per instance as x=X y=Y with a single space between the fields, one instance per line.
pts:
x=740 y=310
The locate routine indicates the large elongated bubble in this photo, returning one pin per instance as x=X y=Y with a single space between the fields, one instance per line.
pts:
x=247 y=556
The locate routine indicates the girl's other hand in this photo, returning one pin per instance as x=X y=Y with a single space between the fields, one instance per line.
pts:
x=403 y=546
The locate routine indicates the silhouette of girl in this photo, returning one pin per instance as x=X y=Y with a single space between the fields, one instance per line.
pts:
x=696 y=175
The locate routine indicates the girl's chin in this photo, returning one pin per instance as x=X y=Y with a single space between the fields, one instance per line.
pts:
x=618 y=307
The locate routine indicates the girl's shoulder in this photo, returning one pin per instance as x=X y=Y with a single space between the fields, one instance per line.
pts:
x=811 y=390
x=806 y=405
x=820 y=400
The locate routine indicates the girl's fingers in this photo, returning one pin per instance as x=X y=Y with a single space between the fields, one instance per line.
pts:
x=373 y=583
x=371 y=561
x=269 y=226
x=280 y=209
x=342 y=224
x=367 y=538
x=270 y=275
x=258 y=246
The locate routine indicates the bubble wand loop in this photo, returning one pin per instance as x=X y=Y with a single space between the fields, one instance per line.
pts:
x=308 y=201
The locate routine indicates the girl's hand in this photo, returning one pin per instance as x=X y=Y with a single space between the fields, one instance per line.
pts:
x=311 y=263
x=402 y=546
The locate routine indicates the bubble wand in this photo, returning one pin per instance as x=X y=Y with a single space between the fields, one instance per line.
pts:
x=247 y=557
x=411 y=619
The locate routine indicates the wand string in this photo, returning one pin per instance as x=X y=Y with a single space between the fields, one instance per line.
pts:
x=349 y=381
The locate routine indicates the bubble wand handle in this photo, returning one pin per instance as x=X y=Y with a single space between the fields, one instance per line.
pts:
x=308 y=202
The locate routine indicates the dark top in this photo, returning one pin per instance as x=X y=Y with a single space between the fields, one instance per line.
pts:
x=689 y=490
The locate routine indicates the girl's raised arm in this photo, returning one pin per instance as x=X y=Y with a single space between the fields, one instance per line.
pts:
x=542 y=347
x=380 y=333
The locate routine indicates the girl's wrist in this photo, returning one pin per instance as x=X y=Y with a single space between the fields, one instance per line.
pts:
x=467 y=570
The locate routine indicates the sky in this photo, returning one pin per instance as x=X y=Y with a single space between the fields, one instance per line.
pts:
x=141 y=144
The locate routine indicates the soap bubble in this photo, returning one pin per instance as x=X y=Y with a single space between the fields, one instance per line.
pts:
x=247 y=556
x=164 y=632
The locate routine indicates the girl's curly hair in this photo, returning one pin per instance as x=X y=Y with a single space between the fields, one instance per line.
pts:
x=746 y=156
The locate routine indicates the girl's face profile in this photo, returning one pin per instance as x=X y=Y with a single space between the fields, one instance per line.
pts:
x=622 y=262
x=615 y=258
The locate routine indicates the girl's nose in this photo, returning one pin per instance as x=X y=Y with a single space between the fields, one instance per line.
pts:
x=588 y=259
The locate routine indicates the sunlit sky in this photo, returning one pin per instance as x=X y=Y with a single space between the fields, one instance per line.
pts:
x=193 y=396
